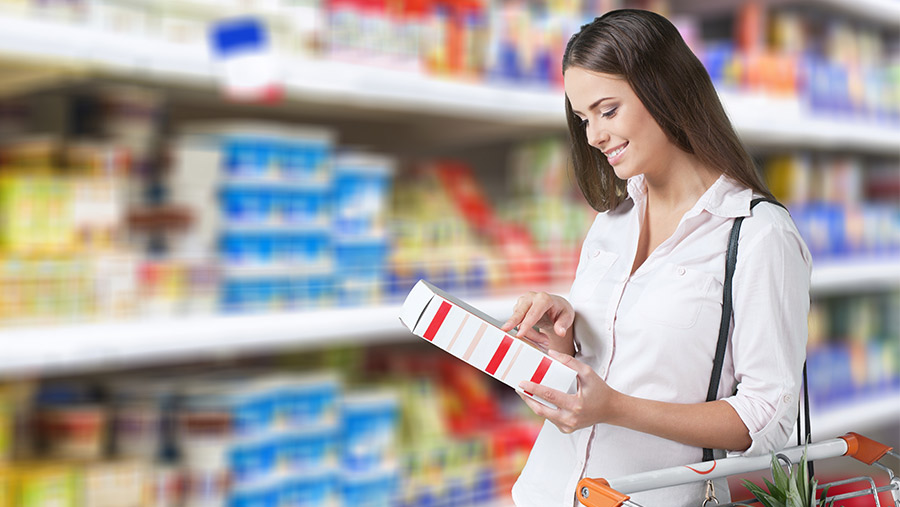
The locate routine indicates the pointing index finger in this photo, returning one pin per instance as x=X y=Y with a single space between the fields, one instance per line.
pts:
x=516 y=317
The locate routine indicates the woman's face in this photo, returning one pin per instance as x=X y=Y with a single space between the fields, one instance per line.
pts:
x=617 y=123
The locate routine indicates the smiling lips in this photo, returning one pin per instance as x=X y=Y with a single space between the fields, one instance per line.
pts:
x=615 y=155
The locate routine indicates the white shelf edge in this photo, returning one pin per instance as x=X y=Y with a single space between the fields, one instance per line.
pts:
x=75 y=347
x=766 y=120
x=886 y=12
x=343 y=83
x=78 y=347
x=857 y=415
x=857 y=275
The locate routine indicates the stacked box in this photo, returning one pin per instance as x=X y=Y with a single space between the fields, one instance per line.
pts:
x=361 y=190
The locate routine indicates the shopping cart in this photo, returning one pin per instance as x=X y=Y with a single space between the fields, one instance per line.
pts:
x=614 y=493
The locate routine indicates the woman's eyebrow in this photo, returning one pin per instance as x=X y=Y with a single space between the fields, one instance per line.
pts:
x=594 y=105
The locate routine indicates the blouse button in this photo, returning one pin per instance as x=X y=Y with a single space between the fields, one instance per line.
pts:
x=787 y=398
x=595 y=253
x=680 y=271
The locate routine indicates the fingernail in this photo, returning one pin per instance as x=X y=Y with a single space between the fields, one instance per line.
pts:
x=552 y=353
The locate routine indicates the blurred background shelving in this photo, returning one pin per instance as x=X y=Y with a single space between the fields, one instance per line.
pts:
x=175 y=258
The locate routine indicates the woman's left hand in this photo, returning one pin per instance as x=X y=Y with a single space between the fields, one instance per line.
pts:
x=592 y=404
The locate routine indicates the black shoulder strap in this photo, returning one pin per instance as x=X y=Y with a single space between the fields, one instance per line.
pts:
x=725 y=324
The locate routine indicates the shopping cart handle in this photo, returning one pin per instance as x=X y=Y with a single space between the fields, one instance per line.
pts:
x=864 y=449
x=598 y=493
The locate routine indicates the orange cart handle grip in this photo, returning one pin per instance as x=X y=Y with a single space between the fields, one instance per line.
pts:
x=864 y=449
x=597 y=493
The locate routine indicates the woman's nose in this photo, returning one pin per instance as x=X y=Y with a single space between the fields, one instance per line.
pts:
x=597 y=137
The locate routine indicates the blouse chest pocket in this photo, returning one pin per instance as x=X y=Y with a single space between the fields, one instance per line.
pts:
x=675 y=296
x=593 y=266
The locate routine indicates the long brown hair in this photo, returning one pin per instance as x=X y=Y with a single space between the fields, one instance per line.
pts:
x=648 y=52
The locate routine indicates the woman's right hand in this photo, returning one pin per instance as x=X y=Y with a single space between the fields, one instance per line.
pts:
x=551 y=314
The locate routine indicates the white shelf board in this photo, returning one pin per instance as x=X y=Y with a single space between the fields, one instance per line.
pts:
x=856 y=275
x=758 y=119
x=886 y=12
x=859 y=415
x=79 y=347
x=785 y=122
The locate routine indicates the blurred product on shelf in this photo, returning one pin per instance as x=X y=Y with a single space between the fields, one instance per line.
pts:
x=547 y=204
x=247 y=67
x=295 y=222
x=63 y=253
x=262 y=217
x=446 y=229
x=270 y=437
x=362 y=189
x=845 y=207
x=854 y=349
x=833 y=66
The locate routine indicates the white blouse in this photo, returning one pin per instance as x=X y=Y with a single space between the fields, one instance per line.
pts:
x=653 y=335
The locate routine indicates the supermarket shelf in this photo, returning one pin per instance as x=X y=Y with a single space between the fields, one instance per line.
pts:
x=348 y=85
x=81 y=347
x=785 y=122
x=78 y=347
x=859 y=415
x=882 y=12
x=306 y=80
x=856 y=276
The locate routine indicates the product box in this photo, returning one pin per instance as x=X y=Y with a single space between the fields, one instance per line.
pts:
x=477 y=339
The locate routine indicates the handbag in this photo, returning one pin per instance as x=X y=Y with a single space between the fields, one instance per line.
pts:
x=724 y=324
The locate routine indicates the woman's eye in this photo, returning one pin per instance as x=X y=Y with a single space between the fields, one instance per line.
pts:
x=610 y=113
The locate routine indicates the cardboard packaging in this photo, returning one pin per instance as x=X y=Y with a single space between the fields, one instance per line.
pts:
x=477 y=339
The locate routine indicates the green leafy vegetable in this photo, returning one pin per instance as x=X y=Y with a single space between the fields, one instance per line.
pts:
x=792 y=488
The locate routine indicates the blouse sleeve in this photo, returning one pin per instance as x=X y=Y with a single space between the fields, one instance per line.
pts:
x=771 y=307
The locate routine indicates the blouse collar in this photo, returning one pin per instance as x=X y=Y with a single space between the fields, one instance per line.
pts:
x=726 y=197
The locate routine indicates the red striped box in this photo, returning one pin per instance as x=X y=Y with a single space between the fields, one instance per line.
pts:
x=477 y=339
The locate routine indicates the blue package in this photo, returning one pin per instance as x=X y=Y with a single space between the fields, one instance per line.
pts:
x=264 y=495
x=361 y=191
x=369 y=425
x=316 y=489
x=237 y=35
x=374 y=489
x=716 y=58
x=305 y=205
x=484 y=485
x=252 y=410
x=233 y=248
x=248 y=247
x=253 y=461
x=819 y=375
x=818 y=84
x=307 y=402
x=248 y=204
x=232 y=295
x=306 y=160
x=248 y=157
x=310 y=248
x=309 y=449
x=365 y=257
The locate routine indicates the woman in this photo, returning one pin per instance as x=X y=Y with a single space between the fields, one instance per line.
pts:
x=656 y=155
